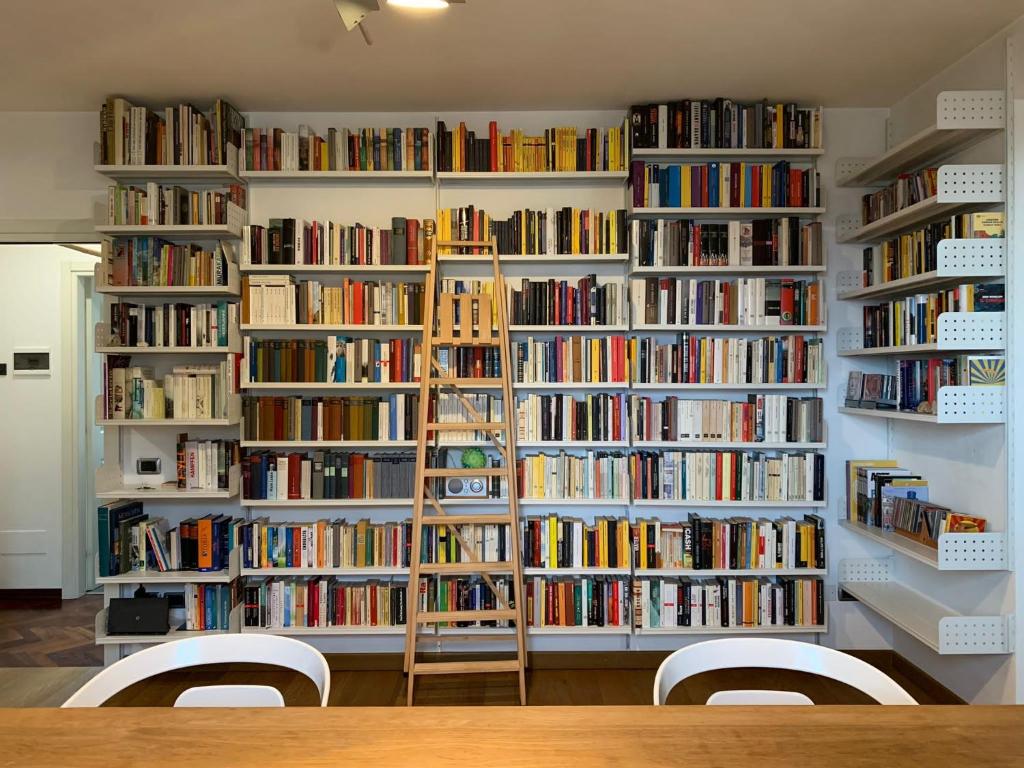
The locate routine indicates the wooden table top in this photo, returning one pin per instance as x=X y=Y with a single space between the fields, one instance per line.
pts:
x=512 y=737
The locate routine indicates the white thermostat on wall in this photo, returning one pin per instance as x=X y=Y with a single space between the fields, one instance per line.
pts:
x=31 y=361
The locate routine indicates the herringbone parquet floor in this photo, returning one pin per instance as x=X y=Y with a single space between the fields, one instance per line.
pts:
x=33 y=636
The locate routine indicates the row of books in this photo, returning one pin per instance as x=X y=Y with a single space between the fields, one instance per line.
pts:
x=570 y=360
x=882 y=494
x=129 y=541
x=324 y=602
x=338 y=360
x=325 y=544
x=782 y=242
x=550 y=231
x=359 y=149
x=908 y=189
x=156 y=204
x=589 y=300
x=915 y=385
x=465 y=593
x=729 y=602
x=327 y=475
x=468 y=362
x=281 y=300
x=591 y=475
x=917 y=252
x=289 y=241
x=727 y=476
x=150 y=261
x=762 y=418
x=724 y=124
x=723 y=185
x=565 y=542
x=169 y=325
x=748 y=301
x=208 y=606
x=204 y=464
x=187 y=392
x=566 y=148
x=466 y=543
x=182 y=135
x=736 y=543
x=915 y=319
x=584 y=601
x=293 y=417
x=452 y=408
x=694 y=359
x=594 y=416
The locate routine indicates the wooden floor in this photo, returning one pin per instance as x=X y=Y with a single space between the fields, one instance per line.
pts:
x=59 y=645
x=32 y=636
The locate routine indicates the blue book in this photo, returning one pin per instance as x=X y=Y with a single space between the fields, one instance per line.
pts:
x=392 y=419
x=674 y=186
x=713 y=185
x=748 y=182
x=307 y=419
x=289 y=545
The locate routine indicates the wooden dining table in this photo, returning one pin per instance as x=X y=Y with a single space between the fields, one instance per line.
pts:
x=515 y=737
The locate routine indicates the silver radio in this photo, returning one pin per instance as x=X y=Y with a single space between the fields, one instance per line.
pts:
x=466 y=488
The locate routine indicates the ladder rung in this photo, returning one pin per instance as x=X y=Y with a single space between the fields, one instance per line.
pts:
x=464 y=667
x=462 y=244
x=452 y=635
x=503 y=566
x=466 y=382
x=464 y=519
x=441 y=342
x=463 y=472
x=500 y=614
x=456 y=426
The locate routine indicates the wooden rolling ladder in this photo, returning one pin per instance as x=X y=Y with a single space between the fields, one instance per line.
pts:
x=440 y=330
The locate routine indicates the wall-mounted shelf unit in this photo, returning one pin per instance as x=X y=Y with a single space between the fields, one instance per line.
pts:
x=956 y=551
x=561 y=259
x=561 y=386
x=326 y=502
x=106 y=344
x=234 y=416
x=571 y=502
x=568 y=329
x=117 y=490
x=707 y=503
x=962 y=118
x=102 y=638
x=177 y=233
x=961 y=188
x=199 y=292
x=367 y=572
x=959 y=261
x=224 y=576
x=937 y=626
x=205 y=175
x=957 y=332
x=332 y=386
x=955 y=405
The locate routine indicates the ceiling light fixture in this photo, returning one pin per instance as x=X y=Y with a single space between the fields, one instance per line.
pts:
x=420 y=4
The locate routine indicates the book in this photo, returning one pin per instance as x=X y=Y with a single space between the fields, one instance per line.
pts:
x=559 y=149
x=150 y=261
x=155 y=326
x=983 y=370
x=156 y=204
x=900 y=488
x=761 y=418
x=908 y=189
x=854 y=389
x=724 y=123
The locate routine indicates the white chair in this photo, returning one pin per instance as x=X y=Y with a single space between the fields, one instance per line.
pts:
x=214 y=649
x=769 y=653
x=230 y=696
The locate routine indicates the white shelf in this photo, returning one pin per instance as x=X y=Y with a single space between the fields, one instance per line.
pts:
x=333 y=386
x=367 y=330
x=166 y=422
x=325 y=631
x=327 y=503
x=728 y=444
x=730 y=269
x=955 y=405
x=232 y=289
x=725 y=503
x=164 y=492
x=360 y=269
x=569 y=445
x=958 y=261
x=574 y=502
x=774 y=330
x=702 y=572
x=560 y=386
x=588 y=630
x=224 y=576
x=753 y=387
x=172 y=174
x=939 y=627
x=772 y=629
x=586 y=259
x=569 y=329
x=724 y=213
x=165 y=350
x=172 y=232
x=956 y=551
x=498 y=177
x=576 y=571
x=957 y=332
x=368 y=572
x=326 y=177
x=960 y=188
x=102 y=638
x=299 y=444
x=961 y=119
x=742 y=153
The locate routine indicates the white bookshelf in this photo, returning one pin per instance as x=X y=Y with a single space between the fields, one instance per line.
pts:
x=357 y=503
x=774 y=629
x=336 y=269
x=104 y=638
x=772 y=330
x=173 y=232
x=534 y=177
x=224 y=576
x=696 y=573
x=699 y=154
x=728 y=445
x=729 y=269
x=723 y=212
x=196 y=175
x=338 y=177
x=752 y=387
x=955 y=551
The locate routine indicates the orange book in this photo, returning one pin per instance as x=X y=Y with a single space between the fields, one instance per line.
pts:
x=813 y=303
x=205 y=535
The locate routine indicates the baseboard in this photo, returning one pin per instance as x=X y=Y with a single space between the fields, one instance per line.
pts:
x=30 y=598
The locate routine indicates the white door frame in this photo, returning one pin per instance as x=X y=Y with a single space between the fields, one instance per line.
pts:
x=73 y=575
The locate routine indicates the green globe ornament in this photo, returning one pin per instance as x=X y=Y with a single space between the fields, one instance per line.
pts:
x=473 y=458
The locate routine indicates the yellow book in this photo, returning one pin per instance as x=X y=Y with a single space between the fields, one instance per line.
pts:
x=685 y=181
x=602 y=543
x=552 y=541
x=643 y=544
x=766 y=185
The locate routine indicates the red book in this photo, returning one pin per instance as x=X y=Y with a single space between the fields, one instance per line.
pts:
x=412 y=235
x=798 y=361
x=796 y=188
x=695 y=239
x=704 y=186
x=278 y=416
x=734 y=185
x=786 y=302
x=295 y=476
x=357 y=303
x=755 y=184
x=373 y=606
x=718 y=476
x=355 y=477
x=494 y=142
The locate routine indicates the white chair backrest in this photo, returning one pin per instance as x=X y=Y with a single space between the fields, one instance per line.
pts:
x=748 y=698
x=772 y=653
x=213 y=649
x=230 y=696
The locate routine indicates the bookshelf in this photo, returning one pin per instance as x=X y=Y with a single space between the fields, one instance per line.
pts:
x=338 y=177
x=725 y=153
x=724 y=212
x=534 y=177
x=956 y=551
x=731 y=269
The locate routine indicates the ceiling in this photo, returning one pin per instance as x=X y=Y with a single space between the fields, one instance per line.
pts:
x=487 y=54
